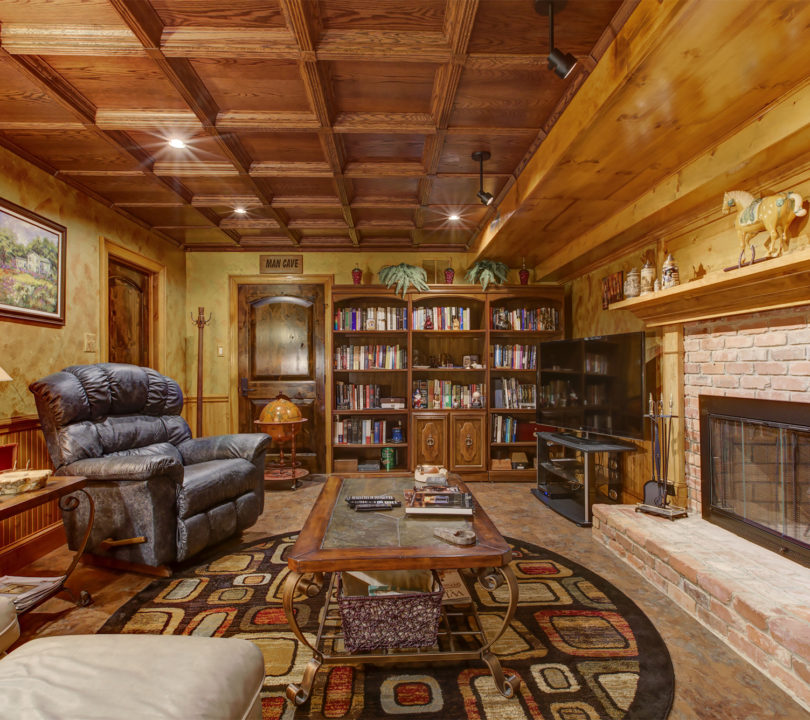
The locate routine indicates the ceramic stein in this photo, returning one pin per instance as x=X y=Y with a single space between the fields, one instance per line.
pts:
x=670 y=277
x=647 y=278
x=632 y=284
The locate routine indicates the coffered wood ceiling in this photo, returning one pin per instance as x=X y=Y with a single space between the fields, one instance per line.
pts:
x=338 y=124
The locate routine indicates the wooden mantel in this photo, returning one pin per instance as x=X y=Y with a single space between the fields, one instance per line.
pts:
x=777 y=283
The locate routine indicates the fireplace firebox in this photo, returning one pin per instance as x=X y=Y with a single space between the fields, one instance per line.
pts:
x=755 y=471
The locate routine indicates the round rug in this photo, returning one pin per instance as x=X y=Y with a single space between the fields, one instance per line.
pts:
x=583 y=649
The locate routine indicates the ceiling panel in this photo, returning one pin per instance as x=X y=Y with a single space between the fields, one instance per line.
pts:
x=382 y=86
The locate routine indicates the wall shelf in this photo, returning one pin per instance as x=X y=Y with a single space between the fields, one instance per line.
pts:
x=778 y=283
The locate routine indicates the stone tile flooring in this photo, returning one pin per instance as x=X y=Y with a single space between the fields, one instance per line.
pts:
x=712 y=682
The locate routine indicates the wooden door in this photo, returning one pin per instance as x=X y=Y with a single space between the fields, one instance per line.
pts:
x=129 y=313
x=467 y=442
x=281 y=349
x=430 y=439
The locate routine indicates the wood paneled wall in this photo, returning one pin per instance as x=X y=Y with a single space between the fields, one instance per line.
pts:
x=216 y=414
x=37 y=531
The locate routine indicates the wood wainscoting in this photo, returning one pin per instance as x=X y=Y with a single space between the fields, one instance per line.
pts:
x=33 y=533
x=216 y=414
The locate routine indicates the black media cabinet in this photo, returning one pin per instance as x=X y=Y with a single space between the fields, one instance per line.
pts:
x=568 y=484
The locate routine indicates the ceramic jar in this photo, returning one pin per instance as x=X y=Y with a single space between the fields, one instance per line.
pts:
x=449 y=274
x=357 y=275
x=523 y=274
x=632 y=283
x=670 y=277
x=647 y=278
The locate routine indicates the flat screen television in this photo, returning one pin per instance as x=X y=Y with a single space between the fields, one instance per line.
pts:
x=593 y=385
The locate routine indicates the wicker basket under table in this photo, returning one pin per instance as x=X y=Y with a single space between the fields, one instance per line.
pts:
x=406 y=620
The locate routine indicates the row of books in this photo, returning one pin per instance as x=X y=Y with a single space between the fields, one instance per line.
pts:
x=542 y=318
x=351 y=396
x=510 y=393
x=371 y=357
x=442 y=318
x=595 y=394
x=504 y=429
x=362 y=431
x=595 y=363
x=521 y=357
x=371 y=318
x=445 y=394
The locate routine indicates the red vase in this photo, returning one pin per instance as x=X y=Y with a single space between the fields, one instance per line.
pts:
x=357 y=275
x=449 y=274
x=523 y=274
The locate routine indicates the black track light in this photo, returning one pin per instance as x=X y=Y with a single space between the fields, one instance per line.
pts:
x=562 y=63
x=486 y=198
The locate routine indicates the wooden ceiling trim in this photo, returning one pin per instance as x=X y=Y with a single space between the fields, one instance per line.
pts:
x=86 y=40
x=180 y=168
x=248 y=223
x=229 y=200
x=379 y=122
x=113 y=119
x=133 y=204
x=504 y=61
x=267 y=121
x=459 y=18
x=384 y=45
x=235 y=43
x=384 y=203
x=383 y=169
x=33 y=126
x=268 y=168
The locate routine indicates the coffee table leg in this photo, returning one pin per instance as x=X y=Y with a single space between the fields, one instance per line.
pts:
x=299 y=694
x=507 y=686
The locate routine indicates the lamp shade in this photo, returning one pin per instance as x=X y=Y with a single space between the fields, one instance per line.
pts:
x=4 y=376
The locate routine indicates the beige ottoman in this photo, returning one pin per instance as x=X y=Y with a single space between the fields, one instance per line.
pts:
x=95 y=677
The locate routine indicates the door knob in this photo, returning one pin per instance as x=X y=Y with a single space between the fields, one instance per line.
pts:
x=243 y=387
x=469 y=441
x=430 y=442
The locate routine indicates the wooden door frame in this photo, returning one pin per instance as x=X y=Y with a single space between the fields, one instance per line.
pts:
x=235 y=282
x=157 y=299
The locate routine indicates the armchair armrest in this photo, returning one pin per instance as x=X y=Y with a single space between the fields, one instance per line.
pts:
x=220 y=447
x=126 y=468
x=9 y=627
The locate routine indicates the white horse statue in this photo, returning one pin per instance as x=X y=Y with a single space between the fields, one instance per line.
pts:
x=772 y=213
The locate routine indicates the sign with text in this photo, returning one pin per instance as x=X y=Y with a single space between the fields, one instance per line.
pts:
x=281 y=264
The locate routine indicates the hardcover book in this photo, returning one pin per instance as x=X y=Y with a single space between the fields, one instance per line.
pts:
x=438 y=503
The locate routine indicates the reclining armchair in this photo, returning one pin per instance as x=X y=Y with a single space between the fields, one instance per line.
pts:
x=160 y=496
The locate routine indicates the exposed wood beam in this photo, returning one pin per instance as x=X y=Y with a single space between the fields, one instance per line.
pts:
x=385 y=45
x=218 y=42
x=231 y=200
x=268 y=120
x=42 y=39
x=108 y=119
x=383 y=169
x=371 y=122
x=290 y=169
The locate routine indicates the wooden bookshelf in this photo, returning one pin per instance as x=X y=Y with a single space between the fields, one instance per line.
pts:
x=457 y=435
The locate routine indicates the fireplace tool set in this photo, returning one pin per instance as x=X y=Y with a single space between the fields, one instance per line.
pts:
x=657 y=489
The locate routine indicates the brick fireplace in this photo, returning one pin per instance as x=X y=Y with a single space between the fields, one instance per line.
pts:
x=753 y=598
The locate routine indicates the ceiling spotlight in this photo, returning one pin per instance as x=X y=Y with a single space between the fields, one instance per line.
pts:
x=560 y=62
x=454 y=217
x=177 y=143
x=240 y=211
x=486 y=198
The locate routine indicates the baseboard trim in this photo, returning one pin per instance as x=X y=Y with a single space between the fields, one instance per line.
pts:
x=31 y=548
x=112 y=563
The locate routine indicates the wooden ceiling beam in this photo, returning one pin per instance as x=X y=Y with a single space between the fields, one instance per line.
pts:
x=146 y=120
x=268 y=121
x=290 y=169
x=61 y=39
x=233 y=43
x=381 y=122
x=384 y=169
x=384 y=45
x=230 y=200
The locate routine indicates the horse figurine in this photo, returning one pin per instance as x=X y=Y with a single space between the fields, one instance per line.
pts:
x=772 y=213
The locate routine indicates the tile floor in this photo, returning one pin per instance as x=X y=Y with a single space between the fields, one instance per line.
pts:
x=712 y=681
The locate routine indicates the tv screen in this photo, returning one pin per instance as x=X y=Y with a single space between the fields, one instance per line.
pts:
x=593 y=385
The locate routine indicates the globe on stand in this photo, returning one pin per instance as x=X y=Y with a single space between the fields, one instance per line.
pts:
x=281 y=420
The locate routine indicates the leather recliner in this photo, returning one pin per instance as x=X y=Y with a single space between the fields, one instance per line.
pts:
x=120 y=427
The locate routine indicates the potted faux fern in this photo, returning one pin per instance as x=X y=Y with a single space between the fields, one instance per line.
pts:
x=486 y=272
x=402 y=276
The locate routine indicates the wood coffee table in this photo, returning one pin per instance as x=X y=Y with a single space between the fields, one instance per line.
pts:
x=336 y=538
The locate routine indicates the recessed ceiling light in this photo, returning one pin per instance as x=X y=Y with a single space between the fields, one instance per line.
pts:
x=177 y=143
x=454 y=217
x=240 y=211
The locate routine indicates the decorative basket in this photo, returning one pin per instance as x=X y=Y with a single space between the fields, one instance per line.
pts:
x=406 y=620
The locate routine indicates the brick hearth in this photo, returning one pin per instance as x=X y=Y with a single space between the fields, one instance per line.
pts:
x=750 y=597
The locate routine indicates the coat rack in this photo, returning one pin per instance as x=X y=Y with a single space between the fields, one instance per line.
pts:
x=200 y=322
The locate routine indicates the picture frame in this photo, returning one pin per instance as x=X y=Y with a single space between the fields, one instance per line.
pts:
x=612 y=289
x=32 y=266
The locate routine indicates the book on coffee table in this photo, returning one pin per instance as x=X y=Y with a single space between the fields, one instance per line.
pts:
x=441 y=503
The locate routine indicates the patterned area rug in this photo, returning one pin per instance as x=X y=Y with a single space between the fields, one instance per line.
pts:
x=583 y=650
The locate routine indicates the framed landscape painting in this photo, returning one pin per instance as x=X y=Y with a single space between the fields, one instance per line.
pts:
x=32 y=266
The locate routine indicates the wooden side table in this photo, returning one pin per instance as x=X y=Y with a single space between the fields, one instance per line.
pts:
x=64 y=489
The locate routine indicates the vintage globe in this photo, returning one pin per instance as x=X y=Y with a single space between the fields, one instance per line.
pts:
x=280 y=419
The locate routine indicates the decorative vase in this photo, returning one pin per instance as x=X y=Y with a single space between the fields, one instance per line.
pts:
x=357 y=275
x=670 y=277
x=523 y=274
x=647 y=278
x=449 y=274
x=632 y=283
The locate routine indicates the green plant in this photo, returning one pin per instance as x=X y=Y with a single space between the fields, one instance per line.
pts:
x=402 y=276
x=486 y=272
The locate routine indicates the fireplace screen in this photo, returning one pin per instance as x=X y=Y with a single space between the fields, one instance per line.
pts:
x=756 y=471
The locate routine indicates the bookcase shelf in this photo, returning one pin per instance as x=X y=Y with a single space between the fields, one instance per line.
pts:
x=457 y=436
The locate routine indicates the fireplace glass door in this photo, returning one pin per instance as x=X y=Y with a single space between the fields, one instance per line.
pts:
x=759 y=478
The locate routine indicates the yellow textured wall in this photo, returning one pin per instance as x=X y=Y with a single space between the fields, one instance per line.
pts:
x=28 y=352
